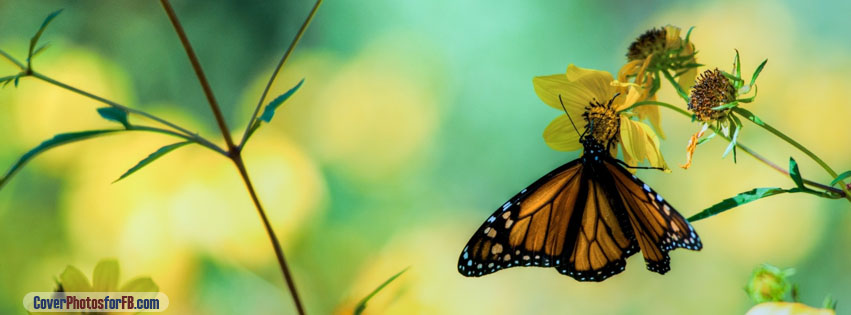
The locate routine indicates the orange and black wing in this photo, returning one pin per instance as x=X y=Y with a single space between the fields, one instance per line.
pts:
x=603 y=238
x=531 y=229
x=657 y=226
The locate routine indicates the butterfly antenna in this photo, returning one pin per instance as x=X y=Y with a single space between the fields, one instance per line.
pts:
x=568 y=116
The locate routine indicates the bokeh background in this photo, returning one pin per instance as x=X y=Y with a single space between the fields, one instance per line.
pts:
x=416 y=120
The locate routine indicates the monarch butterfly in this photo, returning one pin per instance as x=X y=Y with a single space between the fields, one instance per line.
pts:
x=584 y=218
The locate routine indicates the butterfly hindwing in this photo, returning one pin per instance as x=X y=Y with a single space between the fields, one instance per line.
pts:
x=604 y=238
x=658 y=227
x=531 y=229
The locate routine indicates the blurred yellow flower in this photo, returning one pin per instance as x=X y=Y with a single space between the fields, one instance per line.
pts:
x=594 y=95
x=787 y=308
x=658 y=49
x=104 y=279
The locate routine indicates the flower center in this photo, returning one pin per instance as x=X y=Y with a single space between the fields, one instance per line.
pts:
x=652 y=41
x=602 y=120
x=713 y=89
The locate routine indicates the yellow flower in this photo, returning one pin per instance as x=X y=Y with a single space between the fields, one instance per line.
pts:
x=787 y=308
x=659 y=49
x=595 y=96
x=104 y=279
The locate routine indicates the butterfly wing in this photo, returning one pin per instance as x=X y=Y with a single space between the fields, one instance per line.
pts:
x=658 y=228
x=603 y=237
x=531 y=229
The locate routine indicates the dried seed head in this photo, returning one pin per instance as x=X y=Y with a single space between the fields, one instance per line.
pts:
x=652 y=41
x=713 y=89
x=602 y=120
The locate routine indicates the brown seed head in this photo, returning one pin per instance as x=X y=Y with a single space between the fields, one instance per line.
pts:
x=652 y=41
x=713 y=89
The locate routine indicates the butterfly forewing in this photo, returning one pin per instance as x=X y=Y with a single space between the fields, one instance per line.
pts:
x=528 y=230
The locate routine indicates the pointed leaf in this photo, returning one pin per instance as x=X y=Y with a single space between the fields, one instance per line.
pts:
x=688 y=34
x=56 y=141
x=749 y=115
x=795 y=173
x=749 y=99
x=114 y=114
x=738 y=63
x=269 y=111
x=736 y=201
x=153 y=157
x=105 y=276
x=361 y=306
x=40 y=50
x=41 y=29
x=726 y=106
x=757 y=71
x=733 y=140
x=839 y=178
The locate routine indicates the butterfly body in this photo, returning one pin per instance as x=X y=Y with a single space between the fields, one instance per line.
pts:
x=584 y=219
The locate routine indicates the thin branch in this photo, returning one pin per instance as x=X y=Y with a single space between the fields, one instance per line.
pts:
x=279 y=252
x=189 y=135
x=199 y=72
x=275 y=73
x=747 y=150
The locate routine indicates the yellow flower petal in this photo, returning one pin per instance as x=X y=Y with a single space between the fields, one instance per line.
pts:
x=787 y=308
x=651 y=113
x=73 y=280
x=592 y=84
x=105 y=276
x=548 y=89
x=561 y=136
x=141 y=284
x=640 y=143
x=672 y=37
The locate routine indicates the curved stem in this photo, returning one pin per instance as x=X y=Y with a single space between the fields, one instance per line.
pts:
x=799 y=146
x=747 y=150
x=283 y=60
x=234 y=154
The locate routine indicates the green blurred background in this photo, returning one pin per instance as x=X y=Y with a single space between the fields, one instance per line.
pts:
x=416 y=120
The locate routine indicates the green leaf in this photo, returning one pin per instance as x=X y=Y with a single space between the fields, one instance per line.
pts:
x=750 y=116
x=688 y=34
x=56 y=141
x=269 y=111
x=153 y=157
x=839 y=178
x=676 y=85
x=361 y=306
x=40 y=50
x=795 y=173
x=749 y=99
x=701 y=141
x=733 y=140
x=34 y=39
x=757 y=71
x=726 y=106
x=829 y=302
x=738 y=65
x=736 y=201
x=114 y=114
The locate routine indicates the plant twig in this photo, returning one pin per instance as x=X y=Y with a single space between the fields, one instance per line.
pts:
x=234 y=154
x=199 y=72
x=283 y=60
x=747 y=150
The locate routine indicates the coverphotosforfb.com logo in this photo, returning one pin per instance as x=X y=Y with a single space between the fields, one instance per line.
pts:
x=112 y=302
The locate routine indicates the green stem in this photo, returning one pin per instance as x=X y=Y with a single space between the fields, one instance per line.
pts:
x=744 y=148
x=281 y=63
x=682 y=93
x=234 y=154
x=184 y=133
x=797 y=145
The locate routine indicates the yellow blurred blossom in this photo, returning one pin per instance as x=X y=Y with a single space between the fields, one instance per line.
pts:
x=787 y=308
